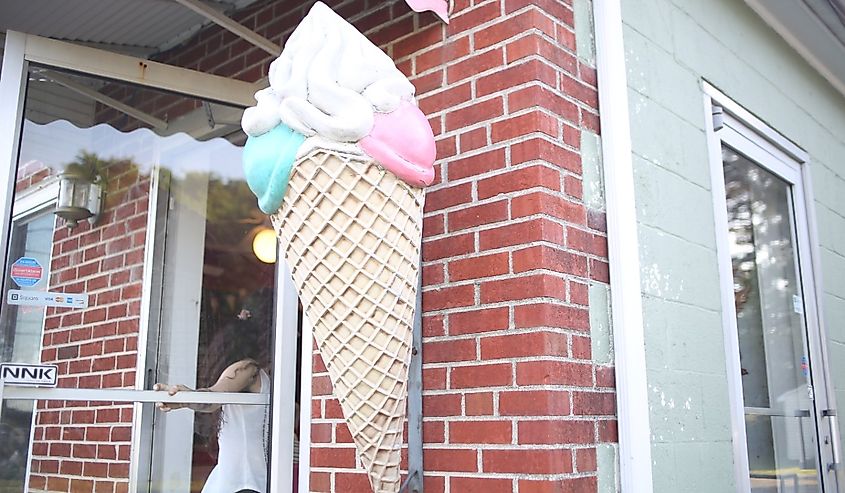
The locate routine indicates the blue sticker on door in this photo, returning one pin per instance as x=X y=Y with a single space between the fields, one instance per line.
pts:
x=26 y=272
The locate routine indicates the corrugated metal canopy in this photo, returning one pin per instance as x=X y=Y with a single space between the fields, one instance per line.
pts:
x=137 y=27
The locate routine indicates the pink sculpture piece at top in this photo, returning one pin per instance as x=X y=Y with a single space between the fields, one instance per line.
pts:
x=439 y=7
x=403 y=143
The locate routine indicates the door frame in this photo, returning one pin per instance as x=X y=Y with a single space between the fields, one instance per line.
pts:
x=22 y=49
x=729 y=123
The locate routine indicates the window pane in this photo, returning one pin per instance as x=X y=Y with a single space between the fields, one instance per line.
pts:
x=177 y=213
x=20 y=342
x=776 y=381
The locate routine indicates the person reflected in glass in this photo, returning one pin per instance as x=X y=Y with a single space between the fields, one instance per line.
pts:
x=242 y=430
x=242 y=434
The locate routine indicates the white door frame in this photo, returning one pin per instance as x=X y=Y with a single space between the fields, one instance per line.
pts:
x=21 y=50
x=766 y=147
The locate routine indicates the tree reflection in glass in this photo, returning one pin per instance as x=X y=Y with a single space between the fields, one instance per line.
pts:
x=772 y=337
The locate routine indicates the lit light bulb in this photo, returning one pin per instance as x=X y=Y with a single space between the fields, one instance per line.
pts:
x=264 y=246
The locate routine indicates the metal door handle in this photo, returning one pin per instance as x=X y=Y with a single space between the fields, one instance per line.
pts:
x=836 y=452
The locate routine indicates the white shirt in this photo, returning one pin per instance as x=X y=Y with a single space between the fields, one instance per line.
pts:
x=242 y=460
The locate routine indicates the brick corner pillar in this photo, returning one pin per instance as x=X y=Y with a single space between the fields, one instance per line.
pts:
x=513 y=399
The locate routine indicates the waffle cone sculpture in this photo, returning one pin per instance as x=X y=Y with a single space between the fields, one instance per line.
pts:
x=337 y=154
x=351 y=234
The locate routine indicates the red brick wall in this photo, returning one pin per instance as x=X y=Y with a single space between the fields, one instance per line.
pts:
x=31 y=174
x=512 y=399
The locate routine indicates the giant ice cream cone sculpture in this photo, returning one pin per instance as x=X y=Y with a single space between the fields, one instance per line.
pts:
x=337 y=154
x=351 y=234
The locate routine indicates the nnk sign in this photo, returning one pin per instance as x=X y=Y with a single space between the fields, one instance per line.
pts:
x=29 y=375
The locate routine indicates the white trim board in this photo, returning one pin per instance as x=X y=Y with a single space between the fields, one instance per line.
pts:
x=623 y=246
x=732 y=365
x=752 y=122
x=807 y=35
x=91 y=61
x=33 y=200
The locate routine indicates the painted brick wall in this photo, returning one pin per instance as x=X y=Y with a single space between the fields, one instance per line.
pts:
x=513 y=400
x=85 y=446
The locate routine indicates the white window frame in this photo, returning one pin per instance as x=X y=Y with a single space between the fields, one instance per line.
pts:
x=768 y=148
x=34 y=200
x=21 y=50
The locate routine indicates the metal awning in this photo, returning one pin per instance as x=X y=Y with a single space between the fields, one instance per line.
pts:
x=133 y=27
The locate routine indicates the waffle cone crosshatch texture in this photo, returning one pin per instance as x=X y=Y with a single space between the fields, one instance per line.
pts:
x=351 y=234
x=337 y=154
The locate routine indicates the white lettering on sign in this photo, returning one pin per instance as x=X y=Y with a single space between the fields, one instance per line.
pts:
x=29 y=375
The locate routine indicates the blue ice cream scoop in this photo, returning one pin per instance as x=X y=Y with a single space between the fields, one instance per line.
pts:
x=268 y=160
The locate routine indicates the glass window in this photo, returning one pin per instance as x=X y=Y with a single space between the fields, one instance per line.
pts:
x=174 y=290
x=21 y=329
x=774 y=356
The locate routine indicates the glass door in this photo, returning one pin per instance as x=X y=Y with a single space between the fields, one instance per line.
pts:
x=777 y=386
x=788 y=436
x=170 y=286
x=218 y=287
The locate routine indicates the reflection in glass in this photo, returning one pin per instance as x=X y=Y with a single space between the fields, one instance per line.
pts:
x=20 y=326
x=776 y=382
x=20 y=342
x=797 y=435
x=231 y=295
x=210 y=297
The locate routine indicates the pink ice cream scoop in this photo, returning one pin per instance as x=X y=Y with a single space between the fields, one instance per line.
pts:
x=439 y=7
x=402 y=141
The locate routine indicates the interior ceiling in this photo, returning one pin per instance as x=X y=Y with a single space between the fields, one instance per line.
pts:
x=135 y=27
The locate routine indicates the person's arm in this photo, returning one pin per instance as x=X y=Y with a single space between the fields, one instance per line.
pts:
x=237 y=377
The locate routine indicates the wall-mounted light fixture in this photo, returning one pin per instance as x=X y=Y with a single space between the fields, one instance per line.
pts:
x=80 y=192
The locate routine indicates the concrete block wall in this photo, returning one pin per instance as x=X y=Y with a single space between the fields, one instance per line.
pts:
x=671 y=46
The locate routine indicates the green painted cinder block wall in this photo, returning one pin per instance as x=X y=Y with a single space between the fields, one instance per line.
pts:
x=671 y=47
